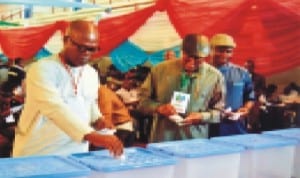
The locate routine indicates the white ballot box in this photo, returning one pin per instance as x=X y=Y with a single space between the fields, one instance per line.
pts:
x=136 y=163
x=40 y=167
x=293 y=133
x=264 y=156
x=200 y=158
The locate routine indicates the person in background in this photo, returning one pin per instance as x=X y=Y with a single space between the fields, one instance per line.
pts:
x=11 y=104
x=191 y=76
x=61 y=100
x=272 y=94
x=239 y=86
x=169 y=55
x=3 y=72
x=291 y=93
x=15 y=80
x=259 y=83
x=129 y=93
x=9 y=115
x=115 y=112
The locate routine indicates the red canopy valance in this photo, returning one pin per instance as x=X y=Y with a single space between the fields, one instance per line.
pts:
x=266 y=30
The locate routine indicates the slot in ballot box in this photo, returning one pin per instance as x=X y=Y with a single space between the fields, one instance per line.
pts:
x=200 y=158
x=293 y=133
x=138 y=162
x=41 y=167
x=264 y=156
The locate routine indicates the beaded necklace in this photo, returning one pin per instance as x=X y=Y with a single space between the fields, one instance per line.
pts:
x=73 y=78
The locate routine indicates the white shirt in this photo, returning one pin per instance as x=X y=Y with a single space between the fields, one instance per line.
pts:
x=55 y=120
x=128 y=96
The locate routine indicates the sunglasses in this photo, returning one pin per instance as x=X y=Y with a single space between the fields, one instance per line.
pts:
x=84 y=48
x=195 y=57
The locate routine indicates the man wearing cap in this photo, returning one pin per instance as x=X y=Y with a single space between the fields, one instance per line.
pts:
x=239 y=87
x=192 y=77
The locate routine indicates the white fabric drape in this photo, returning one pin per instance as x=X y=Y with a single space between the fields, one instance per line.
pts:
x=157 y=33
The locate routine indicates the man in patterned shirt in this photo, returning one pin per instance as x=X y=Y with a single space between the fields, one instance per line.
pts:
x=239 y=87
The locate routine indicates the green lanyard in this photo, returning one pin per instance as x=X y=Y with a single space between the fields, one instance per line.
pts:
x=185 y=82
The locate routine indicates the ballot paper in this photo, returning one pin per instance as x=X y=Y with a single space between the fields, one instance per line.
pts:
x=234 y=115
x=180 y=101
x=10 y=119
x=107 y=131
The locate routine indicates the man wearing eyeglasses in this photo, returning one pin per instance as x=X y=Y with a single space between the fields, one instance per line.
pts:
x=61 y=100
x=239 y=87
x=182 y=94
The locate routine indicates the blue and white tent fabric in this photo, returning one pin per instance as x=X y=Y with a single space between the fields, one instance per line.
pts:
x=148 y=44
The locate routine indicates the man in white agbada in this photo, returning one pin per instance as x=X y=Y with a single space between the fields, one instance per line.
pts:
x=61 y=97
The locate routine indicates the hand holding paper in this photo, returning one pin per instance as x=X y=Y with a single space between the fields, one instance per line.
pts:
x=180 y=101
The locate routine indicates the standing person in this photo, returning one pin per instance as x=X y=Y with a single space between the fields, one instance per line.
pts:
x=115 y=112
x=239 y=87
x=259 y=83
x=61 y=100
x=169 y=55
x=191 y=76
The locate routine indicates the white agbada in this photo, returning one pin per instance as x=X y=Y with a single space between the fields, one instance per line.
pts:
x=55 y=119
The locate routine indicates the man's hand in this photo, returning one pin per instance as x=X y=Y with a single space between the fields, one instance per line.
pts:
x=166 y=110
x=110 y=142
x=192 y=118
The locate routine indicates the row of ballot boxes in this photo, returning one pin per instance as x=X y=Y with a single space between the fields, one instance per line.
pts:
x=272 y=154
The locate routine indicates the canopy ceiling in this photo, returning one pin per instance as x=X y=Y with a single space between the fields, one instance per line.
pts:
x=267 y=30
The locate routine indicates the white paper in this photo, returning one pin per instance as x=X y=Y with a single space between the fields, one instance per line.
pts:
x=106 y=131
x=235 y=116
x=10 y=119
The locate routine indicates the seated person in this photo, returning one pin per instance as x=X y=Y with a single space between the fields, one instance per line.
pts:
x=291 y=93
x=129 y=93
x=115 y=112
x=272 y=95
x=9 y=116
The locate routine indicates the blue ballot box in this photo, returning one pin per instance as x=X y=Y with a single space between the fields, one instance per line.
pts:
x=41 y=167
x=264 y=156
x=200 y=158
x=293 y=133
x=137 y=163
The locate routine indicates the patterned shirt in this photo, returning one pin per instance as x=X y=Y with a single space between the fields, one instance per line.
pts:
x=239 y=90
x=202 y=86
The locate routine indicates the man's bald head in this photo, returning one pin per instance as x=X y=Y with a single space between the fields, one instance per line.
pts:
x=81 y=40
x=82 y=30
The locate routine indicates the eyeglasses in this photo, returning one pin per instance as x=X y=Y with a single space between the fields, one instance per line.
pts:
x=84 y=48
x=195 y=57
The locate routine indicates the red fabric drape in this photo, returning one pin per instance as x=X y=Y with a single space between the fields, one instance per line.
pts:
x=25 y=43
x=114 y=31
x=267 y=30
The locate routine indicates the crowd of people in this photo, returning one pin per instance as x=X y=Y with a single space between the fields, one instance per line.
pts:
x=63 y=106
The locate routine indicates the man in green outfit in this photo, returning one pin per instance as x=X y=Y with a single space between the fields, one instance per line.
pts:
x=191 y=77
